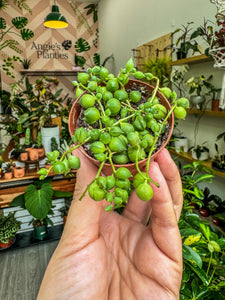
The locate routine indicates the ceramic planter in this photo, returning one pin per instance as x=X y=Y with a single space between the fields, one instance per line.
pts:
x=203 y=156
x=215 y=105
x=33 y=154
x=181 y=143
x=75 y=112
x=19 y=172
x=8 y=175
x=6 y=245
x=197 y=101
x=41 y=151
x=24 y=156
x=47 y=133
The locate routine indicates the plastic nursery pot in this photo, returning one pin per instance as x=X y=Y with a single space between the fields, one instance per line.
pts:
x=107 y=170
x=40 y=232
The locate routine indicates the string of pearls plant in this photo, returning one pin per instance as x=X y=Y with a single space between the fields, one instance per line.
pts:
x=120 y=126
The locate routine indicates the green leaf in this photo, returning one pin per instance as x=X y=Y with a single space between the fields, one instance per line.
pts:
x=205 y=230
x=201 y=274
x=189 y=231
x=26 y=34
x=18 y=201
x=82 y=45
x=96 y=58
x=20 y=22
x=2 y=23
x=79 y=60
x=190 y=254
x=39 y=201
x=62 y=194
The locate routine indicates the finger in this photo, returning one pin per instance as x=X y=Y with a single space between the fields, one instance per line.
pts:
x=172 y=177
x=163 y=221
x=82 y=223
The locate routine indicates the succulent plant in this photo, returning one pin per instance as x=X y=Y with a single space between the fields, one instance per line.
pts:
x=120 y=123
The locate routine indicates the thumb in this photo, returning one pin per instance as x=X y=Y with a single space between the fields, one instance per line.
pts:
x=82 y=225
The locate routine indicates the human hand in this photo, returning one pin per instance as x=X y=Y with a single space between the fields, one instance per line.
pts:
x=104 y=255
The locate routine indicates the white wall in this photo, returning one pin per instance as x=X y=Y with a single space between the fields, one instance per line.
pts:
x=126 y=24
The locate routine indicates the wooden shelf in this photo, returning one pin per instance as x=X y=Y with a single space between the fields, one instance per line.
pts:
x=191 y=60
x=49 y=72
x=206 y=163
x=207 y=112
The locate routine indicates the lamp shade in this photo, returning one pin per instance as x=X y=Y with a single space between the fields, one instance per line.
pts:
x=55 y=19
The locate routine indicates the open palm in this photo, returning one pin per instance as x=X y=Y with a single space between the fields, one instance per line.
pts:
x=104 y=255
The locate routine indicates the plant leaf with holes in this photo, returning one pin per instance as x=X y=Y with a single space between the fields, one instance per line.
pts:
x=26 y=34
x=20 y=22
x=82 y=45
x=2 y=23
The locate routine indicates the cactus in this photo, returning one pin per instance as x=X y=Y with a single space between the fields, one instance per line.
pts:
x=39 y=139
x=27 y=137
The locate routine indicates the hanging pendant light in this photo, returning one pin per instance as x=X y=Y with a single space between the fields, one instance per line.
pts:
x=55 y=19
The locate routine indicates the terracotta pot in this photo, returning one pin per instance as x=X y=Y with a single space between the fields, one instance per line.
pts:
x=215 y=105
x=33 y=154
x=107 y=170
x=8 y=175
x=41 y=151
x=19 y=172
x=6 y=245
x=24 y=156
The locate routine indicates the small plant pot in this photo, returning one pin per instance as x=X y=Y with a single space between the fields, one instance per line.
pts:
x=107 y=170
x=40 y=232
x=6 y=245
x=19 y=172
x=219 y=166
x=24 y=156
x=181 y=143
x=8 y=175
x=181 y=54
x=215 y=105
x=203 y=156
x=33 y=154
x=41 y=151
x=197 y=101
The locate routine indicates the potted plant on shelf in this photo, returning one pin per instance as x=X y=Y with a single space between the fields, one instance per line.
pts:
x=37 y=199
x=183 y=43
x=40 y=147
x=9 y=226
x=8 y=170
x=18 y=171
x=120 y=124
x=199 y=152
x=197 y=85
x=177 y=80
x=218 y=162
x=160 y=68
